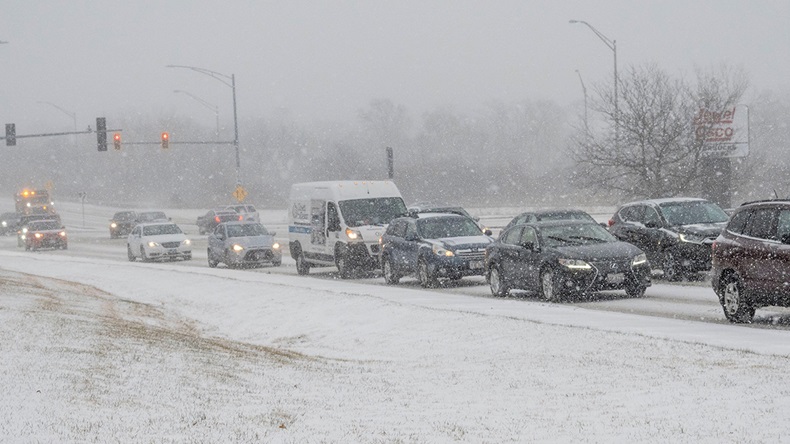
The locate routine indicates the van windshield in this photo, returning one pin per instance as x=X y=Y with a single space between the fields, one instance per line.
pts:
x=378 y=211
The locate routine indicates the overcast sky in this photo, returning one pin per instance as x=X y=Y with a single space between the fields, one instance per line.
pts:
x=326 y=60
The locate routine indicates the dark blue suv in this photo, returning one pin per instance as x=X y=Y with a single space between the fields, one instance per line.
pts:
x=433 y=246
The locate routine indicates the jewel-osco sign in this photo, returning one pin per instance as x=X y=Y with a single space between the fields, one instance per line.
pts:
x=724 y=133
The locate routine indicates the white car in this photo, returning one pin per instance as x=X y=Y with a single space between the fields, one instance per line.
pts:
x=158 y=241
x=247 y=211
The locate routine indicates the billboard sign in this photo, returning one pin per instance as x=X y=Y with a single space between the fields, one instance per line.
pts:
x=724 y=133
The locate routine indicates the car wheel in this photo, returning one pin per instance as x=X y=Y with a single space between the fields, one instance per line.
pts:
x=635 y=290
x=735 y=302
x=302 y=266
x=188 y=257
x=390 y=277
x=671 y=267
x=548 y=286
x=427 y=280
x=65 y=247
x=143 y=257
x=27 y=247
x=341 y=261
x=498 y=282
x=277 y=263
x=129 y=253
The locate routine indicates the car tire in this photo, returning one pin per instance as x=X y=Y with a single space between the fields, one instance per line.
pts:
x=277 y=263
x=390 y=277
x=549 y=290
x=635 y=290
x=672 y=271
x=302 y=266
x=341 y=262
x=143 y=257
x=129 y=253
x=427 y=280
x=498 y=282
x=188 y=257
x=734 y=301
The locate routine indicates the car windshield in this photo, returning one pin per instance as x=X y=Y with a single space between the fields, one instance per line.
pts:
x=156 y=230
x=154 y=215
x=565 y=215
x=246 y=230
x=581 y=234
x=697 y=212
x=124 y=216
x=378 y=211
x=44 y=225
x=442 y=227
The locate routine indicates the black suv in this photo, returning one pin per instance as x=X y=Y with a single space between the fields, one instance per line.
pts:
x=675 y=233
x=751 y=259
x=433 y=246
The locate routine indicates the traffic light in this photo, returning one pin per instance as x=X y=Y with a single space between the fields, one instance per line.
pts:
x=165 y=141
x=10 y=134
x=101 y=133
x=116 y=140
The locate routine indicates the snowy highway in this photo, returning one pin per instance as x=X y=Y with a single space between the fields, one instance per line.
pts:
x=688 y=300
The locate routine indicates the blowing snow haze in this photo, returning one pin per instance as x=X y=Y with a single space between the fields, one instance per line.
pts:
x=321 y=80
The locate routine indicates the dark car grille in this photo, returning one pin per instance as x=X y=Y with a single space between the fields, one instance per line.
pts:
x=171 y=244
x=606 y=267
x=475 y=254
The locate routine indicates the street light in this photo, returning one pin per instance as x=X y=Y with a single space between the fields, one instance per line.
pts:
x=612 y=44
x=208 y=105
x=224 y=79
x=584 y=90
x=68 y=113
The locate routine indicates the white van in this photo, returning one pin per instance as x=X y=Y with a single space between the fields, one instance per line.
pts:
x=340 y=223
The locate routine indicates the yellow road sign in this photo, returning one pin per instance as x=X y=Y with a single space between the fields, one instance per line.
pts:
x=240 y=193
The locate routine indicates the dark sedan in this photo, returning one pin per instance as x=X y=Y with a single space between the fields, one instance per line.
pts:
x=558 y=259
x=122 y=223
x=433 y=246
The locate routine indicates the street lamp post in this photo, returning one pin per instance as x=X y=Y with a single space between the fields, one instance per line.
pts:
x=224 y=79
x=68 y=113
x=208 y=105
x=584 y=90
x=612 y=44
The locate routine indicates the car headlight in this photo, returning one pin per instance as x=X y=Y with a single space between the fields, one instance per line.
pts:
x=275 y=246
x=237 y=248
x=62 y=234
x=38 y=235
x=353 y=234
x=639 y=260
x=693 y=238
x=5 y=224
x=186 y=242
x=575 y=264
x=153 y=244
x=113 y=225
x=24 y=230
x=441 y=251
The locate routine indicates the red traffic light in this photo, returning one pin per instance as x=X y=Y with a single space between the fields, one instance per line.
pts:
x=116 y=140
x=165 y=140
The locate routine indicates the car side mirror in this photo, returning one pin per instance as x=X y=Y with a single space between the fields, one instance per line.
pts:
x=651 y=224
x=411 y=237
x=487 y=232
x=273 y=233
x=785 y=238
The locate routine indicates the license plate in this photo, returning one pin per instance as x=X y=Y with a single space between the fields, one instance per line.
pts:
x=476 y=265
x=172 y=251
x=615 y=278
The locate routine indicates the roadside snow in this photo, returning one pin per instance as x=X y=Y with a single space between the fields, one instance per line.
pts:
x=102 y=351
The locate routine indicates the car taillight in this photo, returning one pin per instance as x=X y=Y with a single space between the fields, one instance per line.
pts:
x=714 y=245
x=241 y=217
x=611 y=222
x=216 y=218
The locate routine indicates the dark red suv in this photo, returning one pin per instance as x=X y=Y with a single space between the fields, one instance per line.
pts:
x=751 y=259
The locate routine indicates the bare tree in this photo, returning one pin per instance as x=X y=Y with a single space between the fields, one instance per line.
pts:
x=656 y=153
